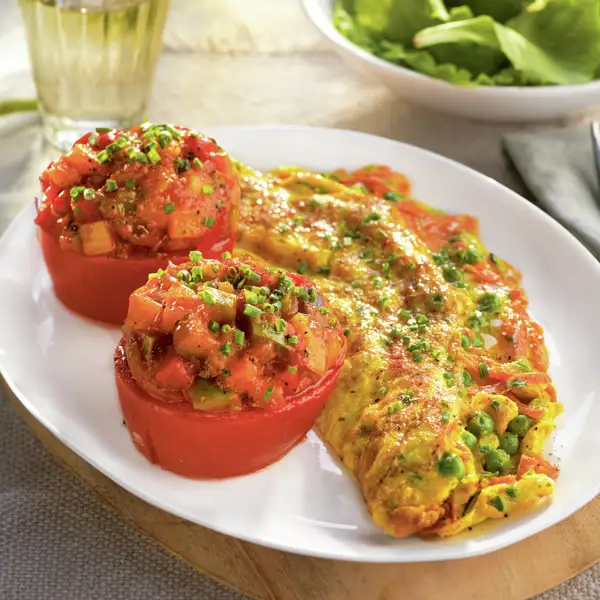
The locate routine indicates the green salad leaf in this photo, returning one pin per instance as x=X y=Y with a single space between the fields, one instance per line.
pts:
x=499 y=10
x=480 y=42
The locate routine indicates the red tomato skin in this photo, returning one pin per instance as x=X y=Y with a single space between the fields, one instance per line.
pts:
x=98 y=287
x=203 y=445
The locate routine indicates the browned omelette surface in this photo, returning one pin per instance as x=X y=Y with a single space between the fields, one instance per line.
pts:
x=444 y=402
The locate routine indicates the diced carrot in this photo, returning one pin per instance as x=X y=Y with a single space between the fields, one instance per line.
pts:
x=179 y=300
x=538 y=464
x=192 y=338
x=96 y=238
x=174 y=373
x=483 y=274
x=185 y=224
x=245 y=377
x=143 y=312
x=534 y=412
x=508 y=479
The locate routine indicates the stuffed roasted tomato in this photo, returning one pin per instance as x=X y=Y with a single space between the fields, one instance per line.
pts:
x=224 y=365
x=122 y=204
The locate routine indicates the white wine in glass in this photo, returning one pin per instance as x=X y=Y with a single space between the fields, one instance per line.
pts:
x=93 y=62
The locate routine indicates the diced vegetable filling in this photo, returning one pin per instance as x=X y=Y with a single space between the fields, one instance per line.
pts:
x=152 y=189
x=229 y=335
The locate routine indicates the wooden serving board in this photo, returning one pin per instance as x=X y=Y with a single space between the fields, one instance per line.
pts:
x=515 y=573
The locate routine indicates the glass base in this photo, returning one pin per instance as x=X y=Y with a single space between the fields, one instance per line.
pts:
x=62 y=132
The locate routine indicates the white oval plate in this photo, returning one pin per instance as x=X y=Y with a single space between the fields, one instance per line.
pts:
x=60 y=367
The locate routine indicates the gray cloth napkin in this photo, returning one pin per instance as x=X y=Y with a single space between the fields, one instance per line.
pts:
x=557 y=167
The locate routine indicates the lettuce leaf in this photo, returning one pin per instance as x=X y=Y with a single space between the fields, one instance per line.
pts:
x=397 y=20
x=567 y=31
x=551 y=42
x=499 y=10
x=480 y=42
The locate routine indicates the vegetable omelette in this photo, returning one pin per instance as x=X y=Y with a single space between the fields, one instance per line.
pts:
x=444 y=402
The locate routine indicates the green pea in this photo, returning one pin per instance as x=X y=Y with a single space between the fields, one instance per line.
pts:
x=451 y=465
x=520 y=425
x=497 y=461
x=480 y=423
x=509 y=442
x=469 y=439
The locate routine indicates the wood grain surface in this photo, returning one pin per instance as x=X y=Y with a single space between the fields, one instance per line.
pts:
x=518 y=572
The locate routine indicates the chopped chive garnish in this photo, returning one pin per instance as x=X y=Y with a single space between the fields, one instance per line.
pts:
x=382 y=391
x=74 y=193
x=392 y=196
x=209 y=221
x=89 y=194
x=369 y=218
x=268 y=393
x=111 y=185
x=76 y=211
x=102 y=157
x=153 y=155
x=383 y=302
x=130 y=184
x=195 y=255
x=173 y=132
x=141 y=157
x=226 y=373
x=197 y=162
x=93 y=139
x=279 y=325
x=164 y=137
x=226 y=255
x=483 y=370
x=251 y=311
x=182 y=164
x=292 y=340
x=292 y=370
x=446 y=417
x=498 y=503
x=466 y=378
x=226 y=349
x=207 y=189
x=169 y=208
x=198 y=273
x=239 y=336
x=324 y=270
x=465 y=342
x=302 y=267
x=207 y=296
x=103 y=129
x=226 y=328
x=495 y=404
x=213 y=326
x=405 y=314
x=355 y=283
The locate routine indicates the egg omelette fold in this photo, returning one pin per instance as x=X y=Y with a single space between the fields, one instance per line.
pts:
x=444 y=402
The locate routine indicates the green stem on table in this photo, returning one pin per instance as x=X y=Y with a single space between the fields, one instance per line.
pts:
x=17 y=105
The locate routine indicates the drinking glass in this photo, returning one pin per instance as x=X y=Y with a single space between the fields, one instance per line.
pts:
x=93 y=62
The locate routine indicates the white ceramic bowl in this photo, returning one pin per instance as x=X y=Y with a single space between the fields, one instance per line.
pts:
x=60 y=367
x=516 y=104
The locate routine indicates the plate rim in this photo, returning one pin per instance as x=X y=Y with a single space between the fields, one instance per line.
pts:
x=449 y=554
